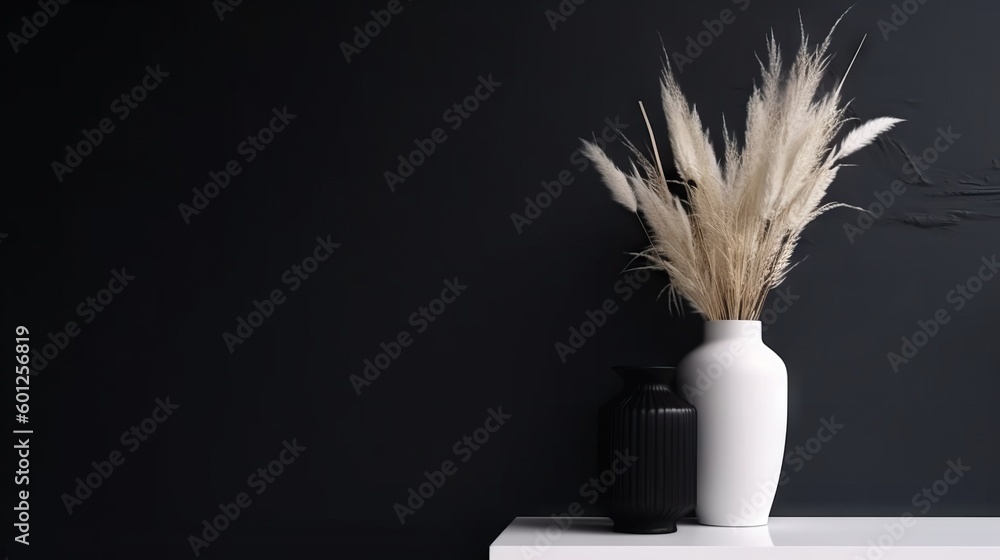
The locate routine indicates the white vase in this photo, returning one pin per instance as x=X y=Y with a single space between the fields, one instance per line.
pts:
x=739 y=387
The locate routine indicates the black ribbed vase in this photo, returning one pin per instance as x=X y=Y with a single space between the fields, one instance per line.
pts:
x=654 y=429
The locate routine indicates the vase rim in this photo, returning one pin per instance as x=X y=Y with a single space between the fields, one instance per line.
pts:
x=655 y=375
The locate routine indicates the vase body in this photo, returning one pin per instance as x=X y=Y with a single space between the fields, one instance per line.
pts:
x=739 y=387
x=648 y=441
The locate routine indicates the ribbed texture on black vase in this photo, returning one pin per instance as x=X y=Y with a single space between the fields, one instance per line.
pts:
x=650 y=426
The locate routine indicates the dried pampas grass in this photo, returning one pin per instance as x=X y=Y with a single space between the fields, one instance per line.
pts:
x=731 y=241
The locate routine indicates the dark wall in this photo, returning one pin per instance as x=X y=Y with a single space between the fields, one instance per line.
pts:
x=861 y=285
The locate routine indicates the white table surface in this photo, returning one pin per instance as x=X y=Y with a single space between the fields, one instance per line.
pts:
x=785 y=538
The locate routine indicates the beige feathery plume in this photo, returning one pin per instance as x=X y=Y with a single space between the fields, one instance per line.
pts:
x=616 y=181
x=732 y=240
x=863 y=135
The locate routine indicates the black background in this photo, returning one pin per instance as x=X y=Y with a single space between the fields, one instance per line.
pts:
x=494 y=346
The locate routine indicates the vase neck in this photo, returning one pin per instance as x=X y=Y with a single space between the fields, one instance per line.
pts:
x=729 y=330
